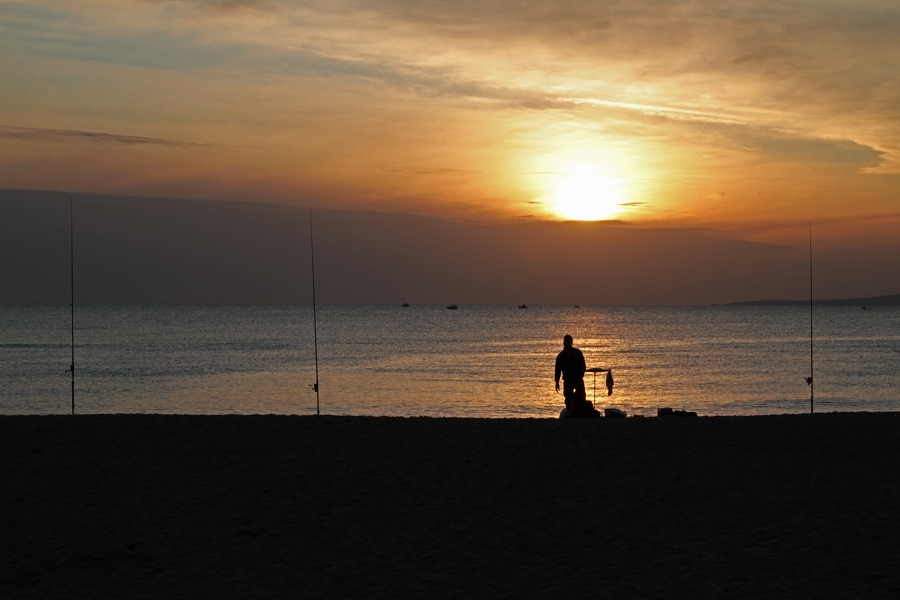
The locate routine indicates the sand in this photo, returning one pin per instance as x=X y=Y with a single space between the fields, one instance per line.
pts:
x=149 y=506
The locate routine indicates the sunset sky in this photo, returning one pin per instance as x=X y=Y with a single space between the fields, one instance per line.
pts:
x=746 y=118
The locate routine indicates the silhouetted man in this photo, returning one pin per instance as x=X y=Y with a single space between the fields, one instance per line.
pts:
x=570 y=364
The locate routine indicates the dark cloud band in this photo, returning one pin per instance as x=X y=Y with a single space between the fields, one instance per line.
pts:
x=39 y=134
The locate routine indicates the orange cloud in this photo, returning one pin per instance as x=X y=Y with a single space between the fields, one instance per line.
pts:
x=471 y=111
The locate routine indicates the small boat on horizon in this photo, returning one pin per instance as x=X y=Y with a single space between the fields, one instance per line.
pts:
x=523 y=306
x=866 y=308
x=405 y=305
x=453 y=307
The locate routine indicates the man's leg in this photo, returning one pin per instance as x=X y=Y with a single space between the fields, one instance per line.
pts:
x=570 y=395
x=579 y=390
x=583 y=408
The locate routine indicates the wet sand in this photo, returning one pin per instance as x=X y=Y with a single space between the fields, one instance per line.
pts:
x=149 y=506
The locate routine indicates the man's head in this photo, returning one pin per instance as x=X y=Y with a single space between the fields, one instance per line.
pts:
x=567 y=341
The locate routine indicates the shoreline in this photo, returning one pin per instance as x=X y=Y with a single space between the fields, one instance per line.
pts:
x=339 y=506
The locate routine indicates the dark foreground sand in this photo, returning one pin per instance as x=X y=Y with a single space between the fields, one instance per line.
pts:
x=303 y=507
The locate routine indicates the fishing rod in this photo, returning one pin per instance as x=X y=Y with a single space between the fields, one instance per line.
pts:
x=312 y=261
x=72 y=293
x=809 y=379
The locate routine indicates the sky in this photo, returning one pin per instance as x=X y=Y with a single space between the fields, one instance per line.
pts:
x=165 y=250
x=747 y=120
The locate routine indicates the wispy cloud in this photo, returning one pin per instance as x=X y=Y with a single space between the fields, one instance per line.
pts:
x=39 y=134
x=429 y=170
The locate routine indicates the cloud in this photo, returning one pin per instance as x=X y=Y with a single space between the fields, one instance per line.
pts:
x=176 y=250
x=335 y=90
x=840 y=152
x=429 y=171
x=226 y=6
x=220 y=6
x=38 y=134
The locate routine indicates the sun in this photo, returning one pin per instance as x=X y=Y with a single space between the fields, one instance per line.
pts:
x=585 y=197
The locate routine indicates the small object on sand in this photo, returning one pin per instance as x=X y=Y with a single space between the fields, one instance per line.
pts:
x=668 y=412
x=614 y=412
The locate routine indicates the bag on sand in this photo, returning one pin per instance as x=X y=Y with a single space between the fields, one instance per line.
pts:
x=585 y=409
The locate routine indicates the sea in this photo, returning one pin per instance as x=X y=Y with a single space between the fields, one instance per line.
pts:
x=426 y=360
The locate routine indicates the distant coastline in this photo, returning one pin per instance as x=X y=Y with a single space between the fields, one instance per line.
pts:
x=892 y=300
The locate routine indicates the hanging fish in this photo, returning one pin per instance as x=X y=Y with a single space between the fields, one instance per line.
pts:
x=609 y=382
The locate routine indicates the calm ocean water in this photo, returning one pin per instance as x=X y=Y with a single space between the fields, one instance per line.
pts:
x=478 y=361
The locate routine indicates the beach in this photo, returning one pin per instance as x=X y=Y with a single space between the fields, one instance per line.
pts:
x=145 y=506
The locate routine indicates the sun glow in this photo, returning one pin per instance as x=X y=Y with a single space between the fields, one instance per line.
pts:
x=585 y=197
